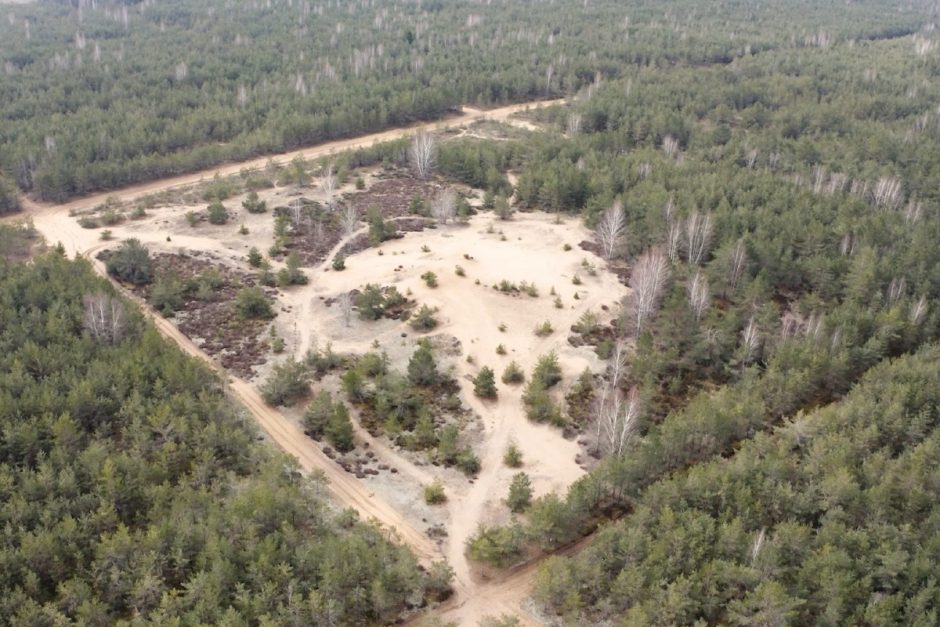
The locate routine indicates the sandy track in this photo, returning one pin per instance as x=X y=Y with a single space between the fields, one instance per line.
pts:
x=292 y=440
x=473 y=598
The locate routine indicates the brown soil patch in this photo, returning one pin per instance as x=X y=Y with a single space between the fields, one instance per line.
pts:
x=237 y=343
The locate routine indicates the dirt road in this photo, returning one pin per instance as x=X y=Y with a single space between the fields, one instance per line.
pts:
x=466 y=116
x=473 y=599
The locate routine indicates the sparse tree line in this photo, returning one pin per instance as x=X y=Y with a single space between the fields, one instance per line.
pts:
x=757 y=293
x=102 y=95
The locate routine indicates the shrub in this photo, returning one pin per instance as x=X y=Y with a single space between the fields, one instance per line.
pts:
x=520 y=493
x=192 y=218
x=167 y=295
x=539 y=405
x=318 y=414
x=484 y=384
x=107 y=235
x=500 y=546
x=500 y=349
x=88 y=222
x=422 y=368
x=243 y=230
x=513 y=374
x=251 y=303
x=605 y=349
x=459 y=271
x=545 y=329
x=566 y=247
x=265 y=276
x=253 y=204
x=277 y=345
x=502 y=208
x=379 y=229
x=430 y=279
x=339 y=430
x=434 y=493
x=576 y=280
x=468 y=462
x=111 y=217
x=529 y=288
x=287 y=383
x=370 y=302
x=513 y=456
x=254 y=257
x=547 y=372
x=424 y=319
x=291 y=274
x=339 y=262
x=131 y=263
x=360 y=183
x=587 y=323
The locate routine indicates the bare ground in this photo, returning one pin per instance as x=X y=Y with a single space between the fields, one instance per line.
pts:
x=526 y=249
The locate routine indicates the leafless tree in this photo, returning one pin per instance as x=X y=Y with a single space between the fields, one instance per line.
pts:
x=913 y=211
x=611 y=230
x=674 y=240
x=349 y=220
x=738 y=262
x=444 y=205
x=750 y=340
x=670 y=146
x=699 y=295
x=574 y=124
x=330 y=184
x=617 y=366
x=757 y=546
x=617 y=417
x=647 y=280
x=345 y=303
x=815 y=326
x=887 y=193
x=918 y=310
x=423 y=153
x=896 y=289
x=105 y=318
x=698 y=237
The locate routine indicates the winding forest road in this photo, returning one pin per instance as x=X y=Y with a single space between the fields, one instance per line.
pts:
x=473 y=599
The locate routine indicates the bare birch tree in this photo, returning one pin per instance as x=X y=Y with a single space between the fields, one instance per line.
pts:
x=611 y=230
x=423 y=153
x=349 y=220
x=105 y=318
x=750 y=340
x=698 y=237
x=617 y=366
x=918 y=310
x=699 y=295
x=330 y=185
x=647 y=280
x=444 y=205
x=738 y=262
x=617 y=418
x=674 y=240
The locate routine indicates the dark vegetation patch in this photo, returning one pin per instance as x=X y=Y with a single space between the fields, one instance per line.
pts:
x=200 y=293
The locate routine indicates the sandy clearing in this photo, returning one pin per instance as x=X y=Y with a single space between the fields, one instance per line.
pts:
x=528 y=248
